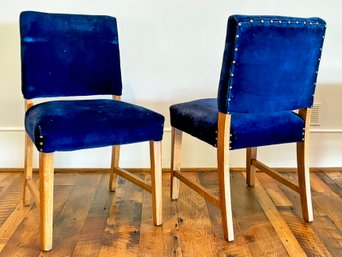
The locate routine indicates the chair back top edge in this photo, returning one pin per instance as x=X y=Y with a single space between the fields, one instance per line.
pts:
x=69 y=55
x=270 y=63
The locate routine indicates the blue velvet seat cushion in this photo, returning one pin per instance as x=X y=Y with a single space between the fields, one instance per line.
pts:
x=199 y=118
x=79 y=124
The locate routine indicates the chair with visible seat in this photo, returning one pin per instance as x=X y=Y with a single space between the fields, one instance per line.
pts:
x=66 y=55
x=269 y=70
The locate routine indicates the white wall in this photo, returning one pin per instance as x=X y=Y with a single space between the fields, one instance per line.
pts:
x=171 y=51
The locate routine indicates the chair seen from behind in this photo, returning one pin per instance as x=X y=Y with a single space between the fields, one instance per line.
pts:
x=269 y=70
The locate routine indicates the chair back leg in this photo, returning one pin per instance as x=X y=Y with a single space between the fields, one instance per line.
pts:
x=251 y=154
x=304 y=181
x=46 y=178
x=223 y=140
x=114 y=164
x=27 y=200
x=175 y=161
x=303 y=167
x=156 y=176
x=28 y=161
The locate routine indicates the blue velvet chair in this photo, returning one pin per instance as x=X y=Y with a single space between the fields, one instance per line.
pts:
x=78 y=55
x=270 y=67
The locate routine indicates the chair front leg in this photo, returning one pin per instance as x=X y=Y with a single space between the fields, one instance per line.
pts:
x=156 y=177
x=28 y=169
x=114 y=164
x=304 y=181
x=250 y=169
x=223 y=140
x=175 y=161
x=46 y=178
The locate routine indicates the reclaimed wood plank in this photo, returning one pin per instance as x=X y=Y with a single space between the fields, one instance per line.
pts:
x=70 y=221
x=332 y=183
x=122 y=230
x=336 y=176
x=257 y=227
x=284 y=232
x=90 y=238
x=303 y=232
x=239 y=247
x=11 y=224
x=9 y=198
x=151 y=236
x=195 y=231
x=172 y=243
x=25 y=239
x=322 y=219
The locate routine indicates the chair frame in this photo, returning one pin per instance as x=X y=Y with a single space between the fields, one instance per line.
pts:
x=223 y=201
x=44 y=196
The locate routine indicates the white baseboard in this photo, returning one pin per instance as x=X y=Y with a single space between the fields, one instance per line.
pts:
x=325 y=151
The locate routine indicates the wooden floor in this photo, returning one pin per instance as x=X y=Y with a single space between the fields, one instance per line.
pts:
x=91 y=221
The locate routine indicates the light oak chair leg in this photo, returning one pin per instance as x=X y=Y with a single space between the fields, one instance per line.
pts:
x=156 y=176
x=46 y=183
x=224 y=175
x=304 y=181
x=114 y=164
x=175 y=161
x=303 y=167
x=27 y=200
x=250 y=169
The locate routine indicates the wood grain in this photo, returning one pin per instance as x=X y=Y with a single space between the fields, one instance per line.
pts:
x=89 y=220
x=194 y=223
x=122 y=231
x=301 y=230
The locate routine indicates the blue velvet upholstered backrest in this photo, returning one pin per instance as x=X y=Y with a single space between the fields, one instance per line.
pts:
x=270 y=63
x=69 y=55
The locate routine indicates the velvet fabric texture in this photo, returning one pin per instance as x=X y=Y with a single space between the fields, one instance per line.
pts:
x=270 y=63
x=199 y=119
x=270 y=67
x=69 y=55
x=75 y=55
x=79 y=124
